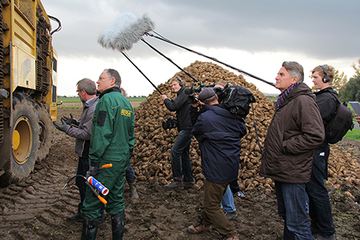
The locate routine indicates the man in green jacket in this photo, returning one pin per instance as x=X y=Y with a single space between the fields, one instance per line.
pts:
x=112 y=141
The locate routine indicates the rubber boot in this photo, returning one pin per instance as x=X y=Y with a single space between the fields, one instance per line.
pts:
x=132 y=185
x=89 y=230
x=117 y=225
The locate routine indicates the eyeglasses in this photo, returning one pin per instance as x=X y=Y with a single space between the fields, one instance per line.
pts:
x=101 y=78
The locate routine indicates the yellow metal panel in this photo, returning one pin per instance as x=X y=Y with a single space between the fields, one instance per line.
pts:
x=28 y=8
x=24 y=34
x=24 y=72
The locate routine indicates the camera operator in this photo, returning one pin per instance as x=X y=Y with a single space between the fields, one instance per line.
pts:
x=218 y=132
x=180 y=160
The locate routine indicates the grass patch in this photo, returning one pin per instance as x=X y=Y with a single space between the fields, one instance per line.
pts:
x=68 y=100
x=69 y=107
x=353 y=135
x=136 y=99
x=77 y=100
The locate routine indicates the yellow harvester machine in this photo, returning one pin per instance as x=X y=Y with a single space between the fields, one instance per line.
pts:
x=28 y=80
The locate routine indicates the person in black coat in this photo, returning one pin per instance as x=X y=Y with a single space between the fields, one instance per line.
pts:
x=218 y=132
x=180 y=160
x=319 y=202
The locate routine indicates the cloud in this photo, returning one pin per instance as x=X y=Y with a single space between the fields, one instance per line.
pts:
x=326 y=31
x=318 y=28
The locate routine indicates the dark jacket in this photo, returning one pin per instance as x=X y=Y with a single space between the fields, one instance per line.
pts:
x=181 y=105
x=294 y=132
x=328 y=104
x=219 y=132
x=83 y=132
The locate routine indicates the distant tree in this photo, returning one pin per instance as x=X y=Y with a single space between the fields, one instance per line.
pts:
x=351 y=92
x=356 y=68
x=340 y=80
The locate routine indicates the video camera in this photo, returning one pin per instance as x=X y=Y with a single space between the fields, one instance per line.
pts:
x=191 y=90
x=170 y=123
x=234 y=98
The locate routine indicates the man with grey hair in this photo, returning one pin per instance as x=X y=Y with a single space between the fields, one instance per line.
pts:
x=81 y=130
x=294 y=132
x=112 y=142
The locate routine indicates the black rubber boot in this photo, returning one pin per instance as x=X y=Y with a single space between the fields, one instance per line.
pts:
x=117 y=225
x=89 y=230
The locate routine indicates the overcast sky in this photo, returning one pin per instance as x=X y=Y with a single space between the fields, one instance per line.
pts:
x=255 y=36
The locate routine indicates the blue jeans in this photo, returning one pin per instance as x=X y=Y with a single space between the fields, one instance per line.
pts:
x=319 y=202
x=130 y=174
x=291 y=199
x=227 y=202
x=180 y=160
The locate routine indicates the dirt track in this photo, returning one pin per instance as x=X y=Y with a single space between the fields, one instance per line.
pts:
x=36 y=208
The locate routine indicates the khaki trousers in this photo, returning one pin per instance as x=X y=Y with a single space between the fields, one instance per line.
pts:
x=212 y=214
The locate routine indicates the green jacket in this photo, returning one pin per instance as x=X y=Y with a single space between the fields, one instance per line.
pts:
x=112 y=134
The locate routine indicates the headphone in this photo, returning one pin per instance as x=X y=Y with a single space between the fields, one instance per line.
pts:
x=325 y=79
x=180 y=82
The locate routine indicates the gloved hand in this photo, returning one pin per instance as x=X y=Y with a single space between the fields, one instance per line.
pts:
x=94 y=169
x=62 y=127
x=71 y=121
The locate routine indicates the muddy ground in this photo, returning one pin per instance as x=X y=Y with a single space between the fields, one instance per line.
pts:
x=36 y=208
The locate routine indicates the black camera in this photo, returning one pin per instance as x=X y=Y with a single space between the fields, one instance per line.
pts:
x=191 y=90
x=170 y=123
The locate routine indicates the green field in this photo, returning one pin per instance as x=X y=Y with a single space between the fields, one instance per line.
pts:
x=74 y=103
x=353 y=135
x=68 y=100
x=77 y=100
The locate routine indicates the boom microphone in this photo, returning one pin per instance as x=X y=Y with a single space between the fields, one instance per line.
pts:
x=126 y=30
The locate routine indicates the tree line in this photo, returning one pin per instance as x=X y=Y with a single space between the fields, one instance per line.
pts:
x=351 y=90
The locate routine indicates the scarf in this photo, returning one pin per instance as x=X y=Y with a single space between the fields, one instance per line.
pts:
x=283 y=95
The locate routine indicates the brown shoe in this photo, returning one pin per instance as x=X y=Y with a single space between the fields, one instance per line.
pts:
x=199 y=227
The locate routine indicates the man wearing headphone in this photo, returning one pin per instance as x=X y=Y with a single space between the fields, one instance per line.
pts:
x=180 y=160
x=319 y=202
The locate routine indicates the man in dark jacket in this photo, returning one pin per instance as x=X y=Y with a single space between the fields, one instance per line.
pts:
x=86 y=90
x=180 y=160
x=294 y=132
x=219 y=133
x=112 y=141
x=319 y=202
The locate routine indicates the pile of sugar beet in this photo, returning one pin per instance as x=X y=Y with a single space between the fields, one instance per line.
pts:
x=151 y=156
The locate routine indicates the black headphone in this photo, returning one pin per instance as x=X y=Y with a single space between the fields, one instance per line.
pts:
x=180 y=82
x=325 y=79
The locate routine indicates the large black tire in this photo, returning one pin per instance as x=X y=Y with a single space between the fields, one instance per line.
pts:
x=45 y=132
x=24 y=139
